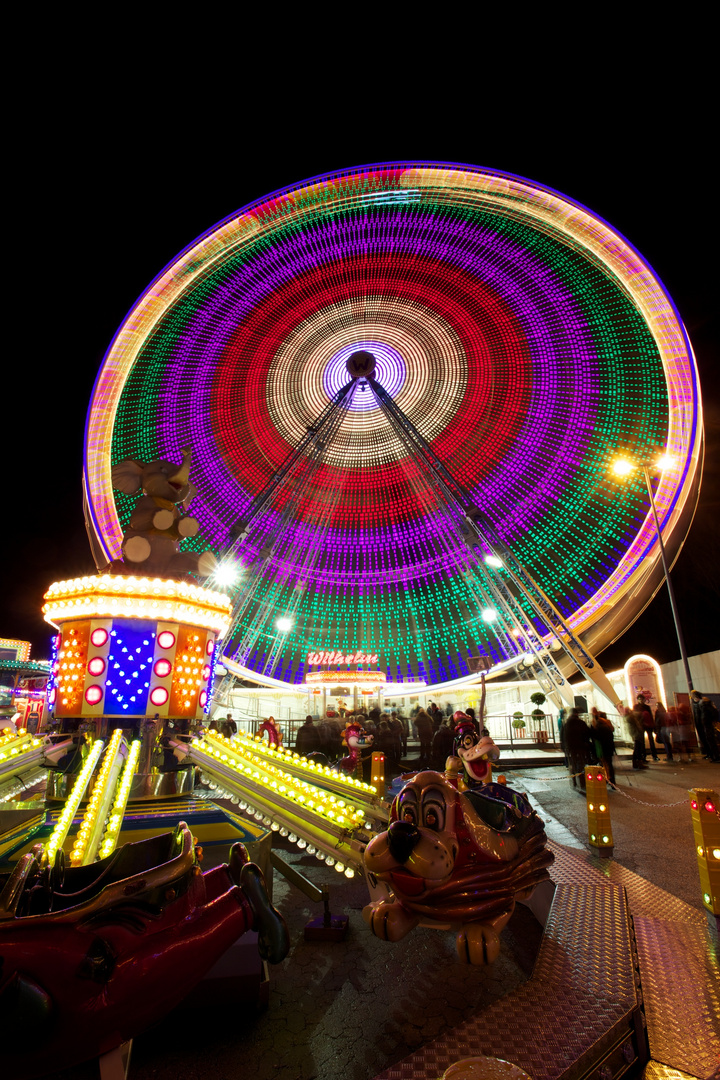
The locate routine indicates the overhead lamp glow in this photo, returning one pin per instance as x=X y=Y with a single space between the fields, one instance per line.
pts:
x=622 y=467
x=284 y=625
x=226 y=574
x=492 y=560
x=488 y=614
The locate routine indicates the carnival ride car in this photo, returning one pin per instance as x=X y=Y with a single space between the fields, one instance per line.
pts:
x=95 y=953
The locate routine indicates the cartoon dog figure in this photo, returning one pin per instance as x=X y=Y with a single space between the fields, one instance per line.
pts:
x=475 y=755
x=448 y=868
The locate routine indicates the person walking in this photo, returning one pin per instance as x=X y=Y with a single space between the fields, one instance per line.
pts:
x=664 y=724
x=442 y=745
x=634 y=718
x=603 y=732
x=577 y=746
x=307 y=739
x=424 y=727
x=684 y=729
x=648 y=724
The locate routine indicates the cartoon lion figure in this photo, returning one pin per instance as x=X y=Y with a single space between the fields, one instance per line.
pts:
x=151 y=542
x=448 y=868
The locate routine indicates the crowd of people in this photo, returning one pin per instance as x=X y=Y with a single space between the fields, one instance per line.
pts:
x=582 y=743
x=432 y=727
x=587 y=744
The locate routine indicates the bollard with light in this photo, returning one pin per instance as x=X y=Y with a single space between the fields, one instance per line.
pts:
x=378 y=773
x=705 y=813
x=598 y=811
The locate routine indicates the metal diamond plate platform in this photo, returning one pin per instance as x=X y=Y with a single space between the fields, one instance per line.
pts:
x=655 y=1071
x=679 y=970
x=579 y=1014
x=578 y=1006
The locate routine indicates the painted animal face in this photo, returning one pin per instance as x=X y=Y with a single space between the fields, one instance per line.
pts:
x=477 y=755
x=356 y=738
x=434 y=837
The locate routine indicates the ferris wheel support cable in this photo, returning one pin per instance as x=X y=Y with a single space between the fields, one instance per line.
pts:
x=533 y=594
x=312 y=437
x=327 y=425
x=484 y=589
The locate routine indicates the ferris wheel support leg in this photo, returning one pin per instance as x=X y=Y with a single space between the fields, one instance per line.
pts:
x=455 y=493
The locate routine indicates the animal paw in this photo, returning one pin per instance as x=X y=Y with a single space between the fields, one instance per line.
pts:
x=477 y=943
x=391 y=922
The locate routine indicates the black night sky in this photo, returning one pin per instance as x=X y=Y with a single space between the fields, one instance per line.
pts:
x=107 y=190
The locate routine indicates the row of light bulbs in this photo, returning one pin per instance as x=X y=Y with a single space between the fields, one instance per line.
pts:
x=15 y=746
x=167 y=610
x=326 y=805
x=302 y=844
x=122 y=793
x=297 y=760
x=10 y=790
x=65 y=820
x=87 y=824
x=164 y=587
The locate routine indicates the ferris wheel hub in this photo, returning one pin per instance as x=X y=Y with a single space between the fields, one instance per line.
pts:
x=361 y=364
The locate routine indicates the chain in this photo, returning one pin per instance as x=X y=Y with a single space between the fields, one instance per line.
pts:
x=550 y=779
x=641 y=802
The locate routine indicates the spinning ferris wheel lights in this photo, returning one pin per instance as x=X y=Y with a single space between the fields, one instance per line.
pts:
x=524 y=338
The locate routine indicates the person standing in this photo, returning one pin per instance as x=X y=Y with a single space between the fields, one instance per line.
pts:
x=307 y=740
x=471 y=713
x=634 y=719
x=424 y=728
x=603 y=732
x=664 y=729
x=397 y=733
x=705 y=714
x=442 y=745
x=684 y=729
x=577 y=745
x=405 y=731
x=648 y=724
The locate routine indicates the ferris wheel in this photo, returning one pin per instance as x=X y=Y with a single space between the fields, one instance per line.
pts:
x=521 y=339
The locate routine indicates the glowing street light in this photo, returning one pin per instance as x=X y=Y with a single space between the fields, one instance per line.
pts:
x=622 y=467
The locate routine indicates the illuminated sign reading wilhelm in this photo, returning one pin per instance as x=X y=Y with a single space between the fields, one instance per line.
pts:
x=336 y=657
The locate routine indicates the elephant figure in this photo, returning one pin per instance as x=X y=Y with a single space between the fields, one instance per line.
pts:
x=157 y=524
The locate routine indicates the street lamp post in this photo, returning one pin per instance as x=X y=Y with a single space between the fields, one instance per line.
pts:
x=622 y=468
x=666 y=568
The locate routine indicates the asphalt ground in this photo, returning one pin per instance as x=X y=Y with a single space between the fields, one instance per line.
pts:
x=653 y=836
